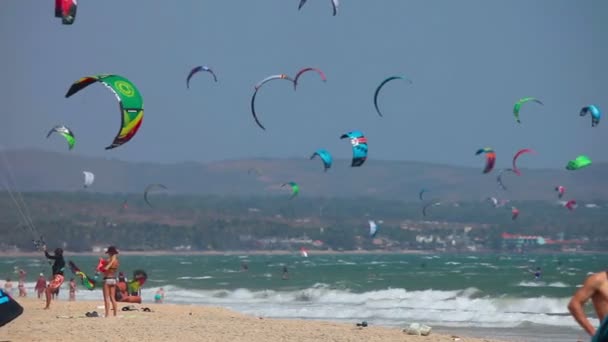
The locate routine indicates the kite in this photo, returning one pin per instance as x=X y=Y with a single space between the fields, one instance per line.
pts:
x=519 y=103
x=595 y=112
x=88 y=282
x=66 y=133
x=578 y=163
x=359 y=142
x=519 y=153
x=490 y=158
x=129 y=100
x=422 y=193
x=253 y=170
x=382 y=85
x=89 y=178
x=334 y=5
x=66 y=10
x=255 y=93
x=499 y=178
x=429 y=204
x=295 y=189
x=560 y=191
x=152 y=187
x=197 y=70
x=295 y=80
x=373 y=229
x=325 y=157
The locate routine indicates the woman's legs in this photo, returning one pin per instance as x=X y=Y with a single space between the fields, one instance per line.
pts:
x=106 y=291
x=112 y=293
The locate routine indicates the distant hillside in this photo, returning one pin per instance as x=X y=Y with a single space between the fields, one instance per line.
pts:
x=36 y=170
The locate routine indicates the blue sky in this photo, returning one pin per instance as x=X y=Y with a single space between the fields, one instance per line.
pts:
x=469 y=61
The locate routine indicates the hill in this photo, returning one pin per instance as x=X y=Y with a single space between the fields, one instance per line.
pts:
x=36 y=171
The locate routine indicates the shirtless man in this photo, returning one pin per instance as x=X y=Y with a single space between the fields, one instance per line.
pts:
x=596 y=289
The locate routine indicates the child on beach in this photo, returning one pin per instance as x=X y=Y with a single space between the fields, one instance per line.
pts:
x=40 y=285
x=72 y=290
x=21 y=284
x=159 y=297
x=8 y=286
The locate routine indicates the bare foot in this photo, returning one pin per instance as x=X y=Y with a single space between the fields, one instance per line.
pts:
x=46 y=308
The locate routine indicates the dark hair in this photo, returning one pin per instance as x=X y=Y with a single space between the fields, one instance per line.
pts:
x=58 y=251
x=112 y=250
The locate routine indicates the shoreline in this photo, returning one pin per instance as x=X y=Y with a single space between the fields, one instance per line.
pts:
x=293 y=252
x=187 y=322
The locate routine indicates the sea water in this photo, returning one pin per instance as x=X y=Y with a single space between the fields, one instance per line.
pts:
x=494 y=296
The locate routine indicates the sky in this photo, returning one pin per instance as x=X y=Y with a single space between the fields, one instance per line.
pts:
x=469 y=62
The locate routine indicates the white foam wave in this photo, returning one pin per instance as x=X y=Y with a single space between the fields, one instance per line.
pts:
x=541 y=284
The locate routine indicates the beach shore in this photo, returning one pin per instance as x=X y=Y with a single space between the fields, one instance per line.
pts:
x=66 y=321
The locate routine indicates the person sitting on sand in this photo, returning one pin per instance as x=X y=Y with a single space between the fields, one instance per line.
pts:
x=40 y=285
x=72 y=290
x=57 y=278
x=595 y=288
x=21 y=284
x=159 y=297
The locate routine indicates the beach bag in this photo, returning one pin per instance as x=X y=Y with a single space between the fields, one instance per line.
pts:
x=418 y=329
x=9 y=308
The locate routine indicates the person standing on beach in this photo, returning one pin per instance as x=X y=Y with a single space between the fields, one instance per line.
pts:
x=109 y=280
x=57 y=277
x=595 y=288
x=72 y=290
x=40 y=285
x=21 y=284
x=8 y=286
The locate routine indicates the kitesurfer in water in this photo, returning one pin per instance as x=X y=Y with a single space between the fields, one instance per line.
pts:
x=285 y=275
x=595 y=288
x=537 y=274
x=57 y=271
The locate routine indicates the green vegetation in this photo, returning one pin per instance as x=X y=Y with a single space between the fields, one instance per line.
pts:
x=82 y=220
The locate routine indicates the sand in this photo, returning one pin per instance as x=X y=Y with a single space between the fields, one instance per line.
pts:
x=66 y=321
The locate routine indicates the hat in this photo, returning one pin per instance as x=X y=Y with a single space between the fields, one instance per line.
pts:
x=111 y=250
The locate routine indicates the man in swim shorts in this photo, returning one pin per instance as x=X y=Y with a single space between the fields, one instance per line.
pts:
x=57 y=278
x=595 y=288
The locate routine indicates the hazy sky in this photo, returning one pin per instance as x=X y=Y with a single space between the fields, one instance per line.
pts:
x=469 y=62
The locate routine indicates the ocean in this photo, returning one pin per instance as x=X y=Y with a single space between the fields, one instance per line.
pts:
x=493 y=296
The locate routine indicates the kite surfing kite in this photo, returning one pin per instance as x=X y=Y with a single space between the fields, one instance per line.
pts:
x=66 y=10
x=88 y=282
x=9 y=308
x=429 y=204
x=325 y=157
x=519 y=103
x=359 y=142
x=499 y=178
x=514 y=213
x=560 y=191
x=255 y=93
x=578 y=163
x=334 y=5
x=153 y=188
x=129 y=100
x=295 y=189
x=519 y=153
x=89 y=178
x=490 y=158
x=382 y=85
x=422 y=191
x=596 y=115
x=197 y=70
x=253 y=171
x=373 y=229
x=318 y=71
x=66 y=133
x=570 y=205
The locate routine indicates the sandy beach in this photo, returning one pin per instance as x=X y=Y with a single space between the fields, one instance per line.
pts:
x=66 y=321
